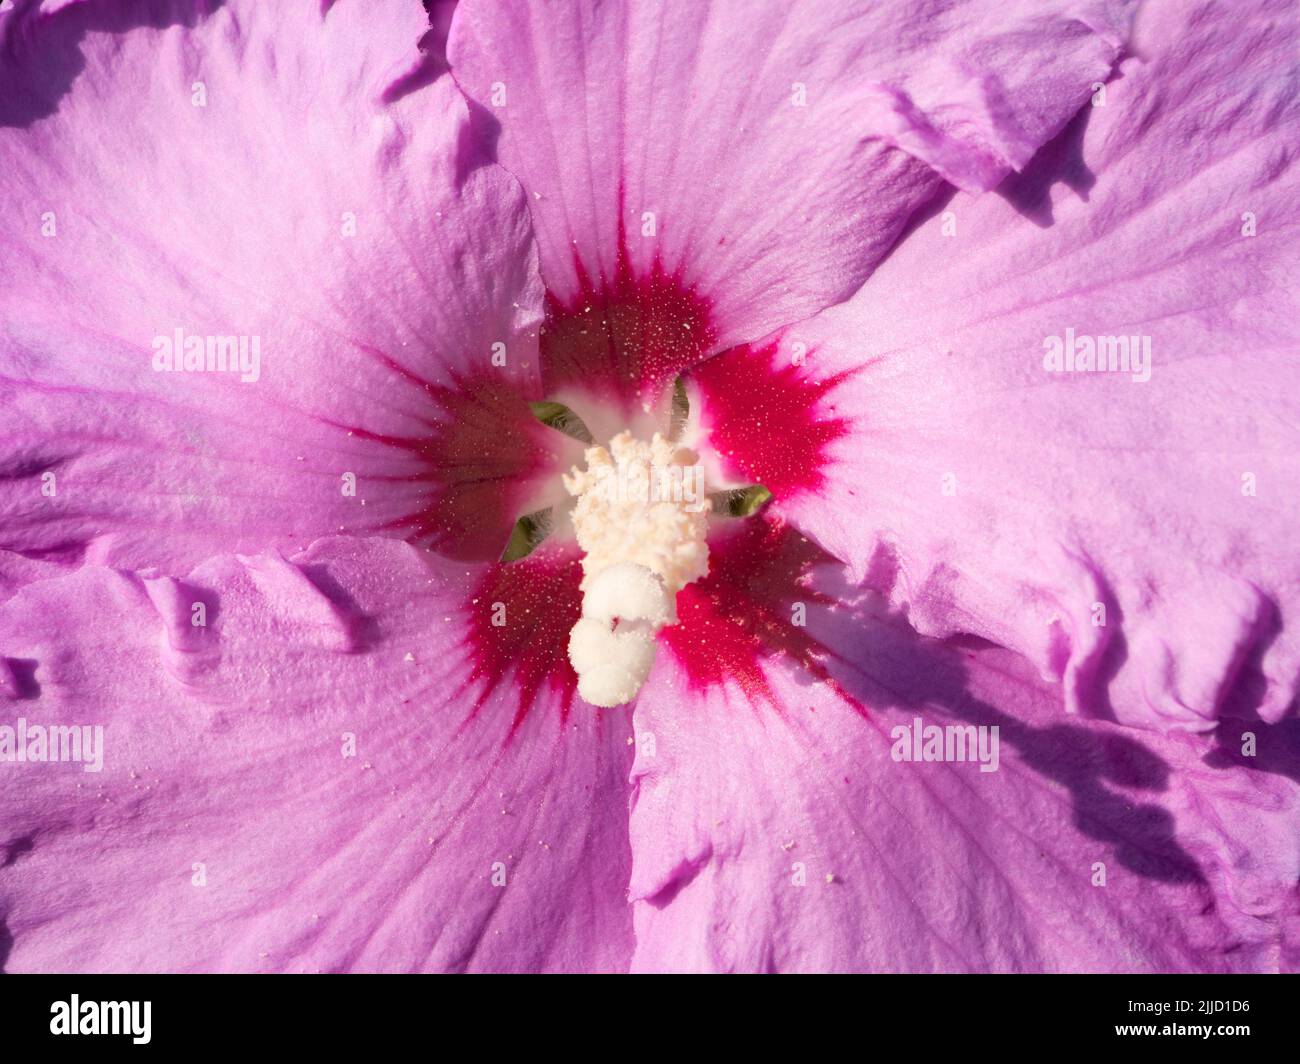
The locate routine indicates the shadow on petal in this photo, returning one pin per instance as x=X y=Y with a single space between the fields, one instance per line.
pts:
x=1060 y=161
x=23 y=101
x=894 y=671
x=1276 y=747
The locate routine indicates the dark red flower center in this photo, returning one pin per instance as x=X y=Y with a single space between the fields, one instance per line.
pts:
x=622 y=342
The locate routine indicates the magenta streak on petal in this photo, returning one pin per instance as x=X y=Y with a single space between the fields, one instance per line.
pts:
x=478 y=455
x=537 y=602
x=743 y=611
x=624 y=337
x=768 y=422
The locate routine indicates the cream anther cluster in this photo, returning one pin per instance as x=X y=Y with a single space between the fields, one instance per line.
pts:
x=641 y=519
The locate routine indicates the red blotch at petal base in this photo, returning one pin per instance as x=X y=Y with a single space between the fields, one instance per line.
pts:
x=625 y=338
x=768 y=419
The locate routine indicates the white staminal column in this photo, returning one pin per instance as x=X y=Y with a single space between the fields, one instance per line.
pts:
x=641 y=519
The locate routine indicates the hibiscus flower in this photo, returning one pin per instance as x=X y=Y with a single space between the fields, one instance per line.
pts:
x=335 y=638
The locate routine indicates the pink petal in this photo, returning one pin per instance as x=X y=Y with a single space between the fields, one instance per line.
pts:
x=236 y=218
x=1102 y=526
x=224 y=747
x=743 y=164
x=792 y=840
